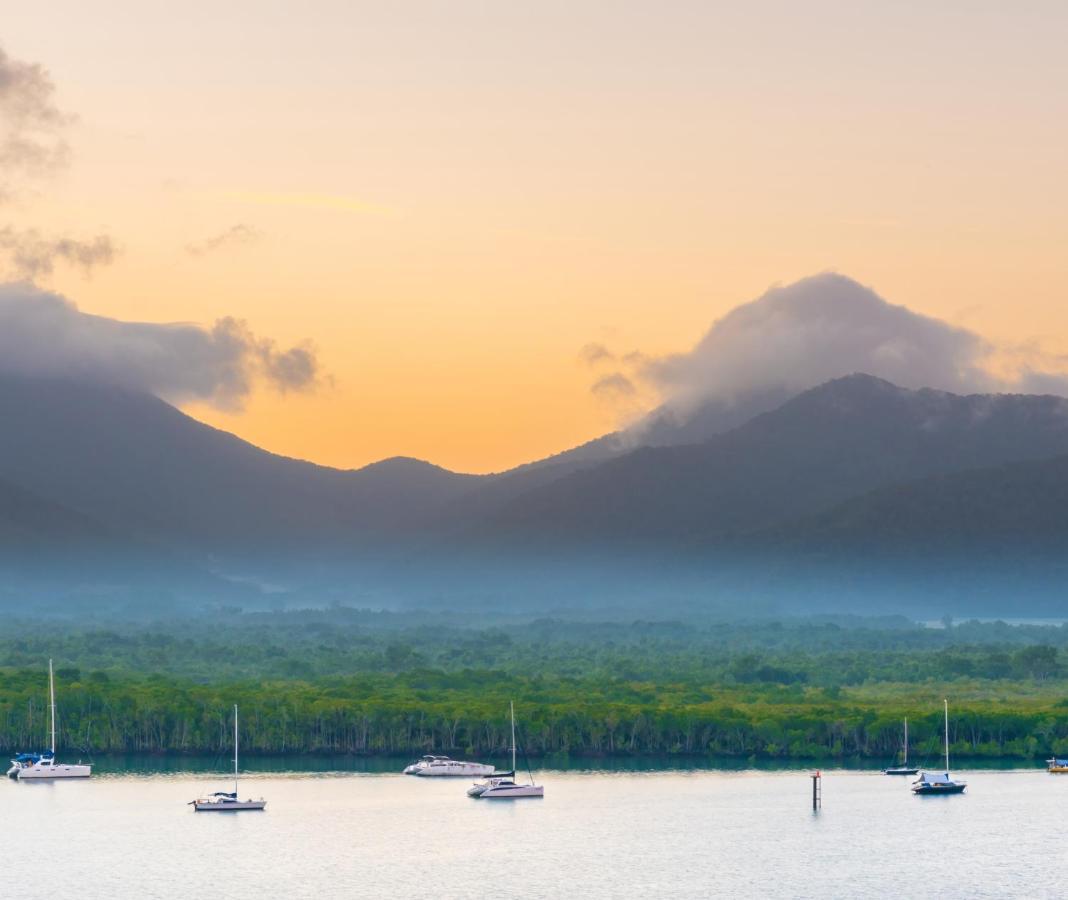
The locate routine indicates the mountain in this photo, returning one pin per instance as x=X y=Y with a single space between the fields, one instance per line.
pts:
x=662 y=427
x=29 y=523
x=846 y=437
x=1010 y=508
x=856 y=483
x=49 y=551
x=137 y=464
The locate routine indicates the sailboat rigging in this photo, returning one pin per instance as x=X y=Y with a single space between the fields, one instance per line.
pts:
x=938 y=782
x=904 y=768
x=44 y=765
x=505 y=786
x=224 y=801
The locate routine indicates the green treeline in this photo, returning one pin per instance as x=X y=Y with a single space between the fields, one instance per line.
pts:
x=348 y=682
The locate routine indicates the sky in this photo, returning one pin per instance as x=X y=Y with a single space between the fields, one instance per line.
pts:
x=445 y=206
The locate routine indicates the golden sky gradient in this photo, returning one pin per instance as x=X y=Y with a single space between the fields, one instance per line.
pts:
x=451 y=199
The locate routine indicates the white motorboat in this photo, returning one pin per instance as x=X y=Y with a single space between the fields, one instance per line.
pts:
x=226 y=801
x=44 y=765
x=505 y=787
x=436 y=766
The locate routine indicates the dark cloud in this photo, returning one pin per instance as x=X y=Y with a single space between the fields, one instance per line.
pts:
x=30 y=254
x=44 y=334
x=32 y=141
x=236 y=236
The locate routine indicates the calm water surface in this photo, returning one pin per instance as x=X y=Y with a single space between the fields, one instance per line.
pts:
x=668 y=834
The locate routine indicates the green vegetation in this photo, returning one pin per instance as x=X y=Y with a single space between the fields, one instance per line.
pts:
x=348 y=681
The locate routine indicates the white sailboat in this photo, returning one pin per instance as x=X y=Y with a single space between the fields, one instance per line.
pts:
x=44 y=765
x=505 y=787
x=939 y=782
x=224 y=801
x=904 y=768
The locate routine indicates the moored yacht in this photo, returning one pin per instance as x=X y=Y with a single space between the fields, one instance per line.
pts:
x=1057 y=766
x=44 y=765
x=434 y=766
x=904 y=768
x=23 y=760
x=939 y=782
x=504 y=786
x=226 y=801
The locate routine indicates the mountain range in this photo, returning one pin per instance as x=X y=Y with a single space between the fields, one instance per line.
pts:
x=104 y=490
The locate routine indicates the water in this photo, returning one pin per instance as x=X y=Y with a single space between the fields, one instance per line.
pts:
x=657 y=835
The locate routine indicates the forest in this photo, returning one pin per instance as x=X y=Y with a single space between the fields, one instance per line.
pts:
x=347 y=681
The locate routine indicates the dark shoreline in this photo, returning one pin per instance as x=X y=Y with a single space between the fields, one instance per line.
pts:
x=311 y=763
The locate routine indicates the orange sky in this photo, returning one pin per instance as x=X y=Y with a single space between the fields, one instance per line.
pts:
x=451 y=199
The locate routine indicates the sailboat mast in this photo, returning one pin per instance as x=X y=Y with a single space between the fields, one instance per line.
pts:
x=235 y=751
x=52 y=703
x=511 y=706
x=906 y=763
x=946 y=702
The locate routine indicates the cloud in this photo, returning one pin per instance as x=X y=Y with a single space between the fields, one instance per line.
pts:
x=823 y=327
x=593 y=353
x=236 y=236
x=45 y=334
x=32 y=255
x=614 y=386
x=32 y=142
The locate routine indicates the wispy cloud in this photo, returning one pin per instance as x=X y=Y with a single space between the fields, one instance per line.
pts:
x=593 y=354
x=239 y=235
x=30 y=254
x=45 y=334
x=32 y=126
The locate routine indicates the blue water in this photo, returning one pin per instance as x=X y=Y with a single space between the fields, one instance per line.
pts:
x=654 y=834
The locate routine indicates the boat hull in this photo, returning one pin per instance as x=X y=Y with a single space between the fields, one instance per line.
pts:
x=467 y=770
x=513 y=792
x=900 y=771
x=53 y=772
x=238 y=806
x=930 y=790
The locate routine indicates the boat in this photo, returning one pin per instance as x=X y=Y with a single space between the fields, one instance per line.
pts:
x=227 y=801
x=904 y=768
x=436 y=766
x=505 y=787
x=939 y=782
x=1057 y=766
x=479 y=787
x=44 y=765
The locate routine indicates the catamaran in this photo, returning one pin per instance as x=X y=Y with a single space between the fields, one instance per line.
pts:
x=225 y=801
x=44 y=765
x=504 y=787
x=904 y=768
x=938 y=782
x=434 y=766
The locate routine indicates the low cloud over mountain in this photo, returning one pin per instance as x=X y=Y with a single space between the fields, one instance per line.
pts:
x=824 y=327
x=45 y=334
